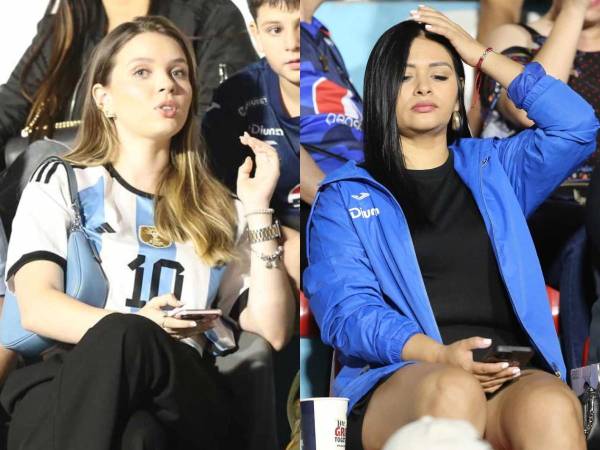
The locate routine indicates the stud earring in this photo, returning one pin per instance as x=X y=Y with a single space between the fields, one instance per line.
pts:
x=108 y=113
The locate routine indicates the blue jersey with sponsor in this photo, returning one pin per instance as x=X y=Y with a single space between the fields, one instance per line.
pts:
x=251 y=101
x=330 y=107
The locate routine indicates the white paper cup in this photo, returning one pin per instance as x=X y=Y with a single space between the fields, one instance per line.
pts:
x=323 y=423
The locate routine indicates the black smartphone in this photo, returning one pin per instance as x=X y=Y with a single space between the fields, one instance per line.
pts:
x=514 y=355
x=195 y=314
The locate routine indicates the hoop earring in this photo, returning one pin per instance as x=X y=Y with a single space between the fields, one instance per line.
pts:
x=456 y=121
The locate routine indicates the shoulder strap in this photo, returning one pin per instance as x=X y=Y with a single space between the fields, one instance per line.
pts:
x=533 y=33
x=73 y=190
x=314 y=148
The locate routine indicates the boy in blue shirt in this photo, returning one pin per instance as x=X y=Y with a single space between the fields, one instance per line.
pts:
x=263 y=99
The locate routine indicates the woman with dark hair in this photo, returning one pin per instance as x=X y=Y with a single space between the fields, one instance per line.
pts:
x=422 y=258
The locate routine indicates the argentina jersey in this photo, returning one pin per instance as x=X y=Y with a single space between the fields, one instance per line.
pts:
x=251 y=101
x=139 y=264
x=331 y=110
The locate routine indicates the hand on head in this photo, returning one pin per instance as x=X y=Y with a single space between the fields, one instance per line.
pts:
x=435 y=22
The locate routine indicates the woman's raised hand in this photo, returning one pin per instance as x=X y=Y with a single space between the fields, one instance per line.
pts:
x=256 y=192
x=469 y=49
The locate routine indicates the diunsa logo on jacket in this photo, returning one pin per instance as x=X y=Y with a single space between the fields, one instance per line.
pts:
x=360 y=213
x=256 y=129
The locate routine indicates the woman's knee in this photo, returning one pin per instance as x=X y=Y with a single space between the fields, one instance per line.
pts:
x=539 y=411
x=551 y=400
x=451 y=389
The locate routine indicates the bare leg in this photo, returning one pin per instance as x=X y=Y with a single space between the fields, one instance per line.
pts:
x=536 y=412
x=422 y=389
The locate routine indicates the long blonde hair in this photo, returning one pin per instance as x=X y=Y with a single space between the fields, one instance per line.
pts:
x=190 y=203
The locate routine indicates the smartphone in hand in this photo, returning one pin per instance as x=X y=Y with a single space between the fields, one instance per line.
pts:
x=195 y=314
x=515 y=356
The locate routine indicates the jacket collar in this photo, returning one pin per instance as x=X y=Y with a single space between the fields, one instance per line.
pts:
x=466 y=164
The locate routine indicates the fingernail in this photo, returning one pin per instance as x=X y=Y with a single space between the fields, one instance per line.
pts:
x=505 y=365
x=516 y=371
x=192 y=324
x=428 y=27
x=413 y=12
x=486 y=341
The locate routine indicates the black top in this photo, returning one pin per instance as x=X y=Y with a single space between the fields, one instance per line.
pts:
x=457 y=261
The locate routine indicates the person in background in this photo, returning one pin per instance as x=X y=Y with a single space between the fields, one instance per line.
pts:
x=331 y=111
x=418 y=256
x=567 y=38
x=263 y=100
x=331 y=107
x=492 y=15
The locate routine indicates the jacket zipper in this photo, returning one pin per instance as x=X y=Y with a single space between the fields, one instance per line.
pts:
x=551 y=364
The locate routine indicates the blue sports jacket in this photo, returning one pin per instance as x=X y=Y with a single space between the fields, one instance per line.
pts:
x=363 y=281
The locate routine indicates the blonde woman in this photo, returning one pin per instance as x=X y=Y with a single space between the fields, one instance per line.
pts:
x=169 y=235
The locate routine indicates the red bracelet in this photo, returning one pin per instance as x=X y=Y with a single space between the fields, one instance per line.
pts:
x=478 y=75
x=484 y=54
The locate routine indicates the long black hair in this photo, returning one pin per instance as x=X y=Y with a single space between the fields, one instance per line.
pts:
x=70 y=21
x=383 y=76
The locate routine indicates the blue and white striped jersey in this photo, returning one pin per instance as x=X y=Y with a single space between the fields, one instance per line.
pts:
x=138 y=263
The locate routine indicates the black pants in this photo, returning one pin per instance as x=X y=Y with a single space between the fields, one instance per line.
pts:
x=126 y=385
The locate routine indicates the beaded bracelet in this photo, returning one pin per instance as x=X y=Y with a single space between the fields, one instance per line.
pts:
x=271 y=260
x=260 y=211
